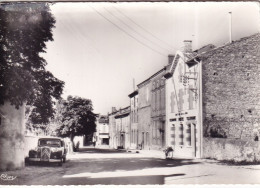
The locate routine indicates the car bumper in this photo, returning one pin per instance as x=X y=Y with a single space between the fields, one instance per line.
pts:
x=39 y=160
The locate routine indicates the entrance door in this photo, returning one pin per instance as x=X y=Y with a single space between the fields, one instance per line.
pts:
x=183 y=138
x=190 y=138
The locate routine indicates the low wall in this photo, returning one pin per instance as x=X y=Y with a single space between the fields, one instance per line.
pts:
x=231 y=149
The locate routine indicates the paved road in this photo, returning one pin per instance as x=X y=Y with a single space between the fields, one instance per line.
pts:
x=104 y=166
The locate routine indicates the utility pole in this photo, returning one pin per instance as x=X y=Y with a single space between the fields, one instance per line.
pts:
x=133 y=84
x=230 y=27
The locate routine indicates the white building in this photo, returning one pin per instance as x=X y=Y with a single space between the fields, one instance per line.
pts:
x=102 y=132
x=183 y=105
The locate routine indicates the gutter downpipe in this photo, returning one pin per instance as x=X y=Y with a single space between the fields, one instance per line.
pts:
x=200 y=107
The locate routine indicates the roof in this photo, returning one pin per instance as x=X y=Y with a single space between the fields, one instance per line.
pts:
x=49 y=138
x=189 y=56
x=103 y=119
x=133 y=94
x=204 y=53
x=149 y=79
x=123 y=112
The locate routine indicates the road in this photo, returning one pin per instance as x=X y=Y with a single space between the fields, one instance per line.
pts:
x=112 y=167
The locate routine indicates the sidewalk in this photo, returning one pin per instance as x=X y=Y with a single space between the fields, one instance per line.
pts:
x=160 y=154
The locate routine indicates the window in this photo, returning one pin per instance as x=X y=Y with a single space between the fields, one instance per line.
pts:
x=181 y=135
x=163 y=98
x=189 y=134
x=162 y=82
x=173 y=135
x=158 y=100
x=155 y=101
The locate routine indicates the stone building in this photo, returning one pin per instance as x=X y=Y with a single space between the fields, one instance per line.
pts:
x=133 y=119
x=231 y=100
x=213 y=101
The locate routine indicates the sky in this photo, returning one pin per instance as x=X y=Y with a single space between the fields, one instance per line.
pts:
x=101 y=50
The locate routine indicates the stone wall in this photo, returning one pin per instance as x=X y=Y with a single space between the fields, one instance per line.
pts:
x=11 y=137
x=30 y=142
x=231 y=90
x=231 y=149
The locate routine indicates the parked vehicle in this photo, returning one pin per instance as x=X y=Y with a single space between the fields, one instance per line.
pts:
x=49 y=150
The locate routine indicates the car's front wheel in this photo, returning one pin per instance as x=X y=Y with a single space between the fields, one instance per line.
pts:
x=60 y=163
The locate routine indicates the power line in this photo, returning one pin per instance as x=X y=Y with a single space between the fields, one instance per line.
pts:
x=156 y=44
x=169 y=45
x=127 y=32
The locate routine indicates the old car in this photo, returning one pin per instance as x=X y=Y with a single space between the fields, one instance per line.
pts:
x=49 y=150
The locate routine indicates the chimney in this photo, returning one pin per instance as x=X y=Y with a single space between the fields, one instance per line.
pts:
x=113 y=109
x=170 y=58
x=187 y=46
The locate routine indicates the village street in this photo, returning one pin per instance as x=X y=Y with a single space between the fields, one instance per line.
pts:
x=92 y=166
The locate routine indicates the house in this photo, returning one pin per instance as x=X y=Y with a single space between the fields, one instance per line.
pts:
x=133 y=119
x=183 y=105
x=213 y=101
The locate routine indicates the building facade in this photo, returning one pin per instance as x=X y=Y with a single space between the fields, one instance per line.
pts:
x=133 y=119
x=144 y=113
x=122 y=131
x=183 y=105
x=112 y=128
x=102 y=131
x=158 y=109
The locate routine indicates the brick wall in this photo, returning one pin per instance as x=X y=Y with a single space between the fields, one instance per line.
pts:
x=231 y=91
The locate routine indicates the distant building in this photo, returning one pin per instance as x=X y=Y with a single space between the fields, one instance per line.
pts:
x=102 y=131
x=112 y=128
x=133 y=119
x=122 y=131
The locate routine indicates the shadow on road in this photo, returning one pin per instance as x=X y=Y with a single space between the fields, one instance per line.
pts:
x=127 y=180
x=99 y=150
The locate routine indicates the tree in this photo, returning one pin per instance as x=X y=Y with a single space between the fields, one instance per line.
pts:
x=75 y=117
x=24 y=30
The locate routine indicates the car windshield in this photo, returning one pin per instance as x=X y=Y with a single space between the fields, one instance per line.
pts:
x=55 y=143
